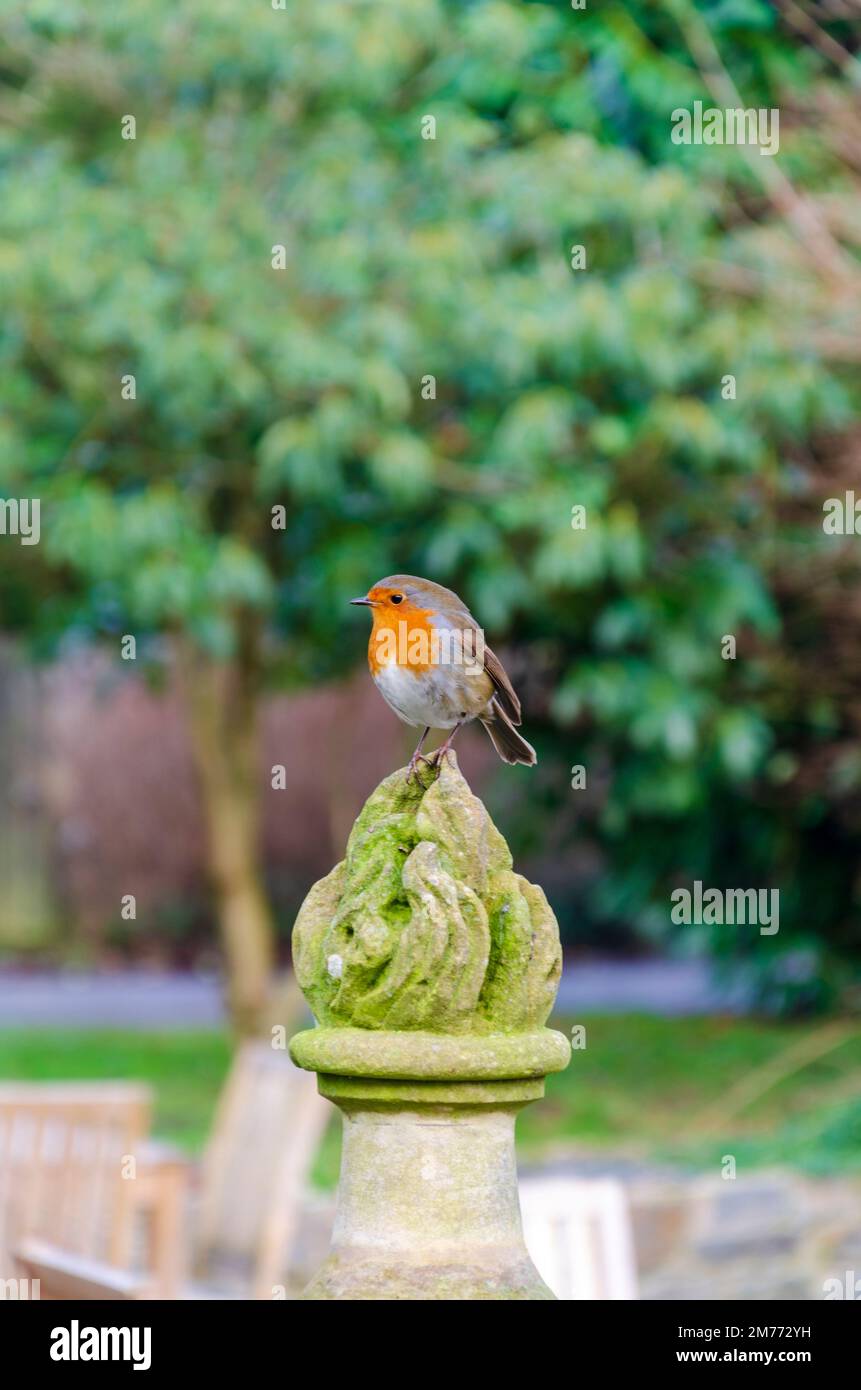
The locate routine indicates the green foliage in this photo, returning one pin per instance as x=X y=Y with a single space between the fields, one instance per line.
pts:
x=404 y=257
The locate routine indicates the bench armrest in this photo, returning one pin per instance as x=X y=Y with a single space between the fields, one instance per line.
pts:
x=63 y=1275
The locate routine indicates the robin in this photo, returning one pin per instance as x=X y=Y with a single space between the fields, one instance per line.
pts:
x=429 y=662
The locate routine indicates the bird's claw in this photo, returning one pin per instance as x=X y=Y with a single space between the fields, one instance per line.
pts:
x=437 y=756
x=414 y=762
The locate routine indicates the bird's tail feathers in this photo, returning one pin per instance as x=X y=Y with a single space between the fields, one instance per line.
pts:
x=509 y=744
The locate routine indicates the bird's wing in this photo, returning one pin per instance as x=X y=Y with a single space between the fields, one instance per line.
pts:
x=505 y=695
x=504 y=691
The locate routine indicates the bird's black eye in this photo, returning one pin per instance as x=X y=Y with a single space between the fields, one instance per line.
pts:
x=397 y=598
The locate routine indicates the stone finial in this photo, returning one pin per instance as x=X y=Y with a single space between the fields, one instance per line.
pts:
x=431 y=968
x=425 y=927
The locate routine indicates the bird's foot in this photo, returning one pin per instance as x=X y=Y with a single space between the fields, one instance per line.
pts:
x=414 y=762
x=442 y=752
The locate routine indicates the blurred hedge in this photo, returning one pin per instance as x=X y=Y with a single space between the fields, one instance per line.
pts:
x=407 y=257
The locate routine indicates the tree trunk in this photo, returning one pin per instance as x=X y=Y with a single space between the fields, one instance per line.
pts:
x=222 y=705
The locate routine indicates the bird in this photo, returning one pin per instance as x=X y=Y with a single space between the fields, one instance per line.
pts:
x=428 y=660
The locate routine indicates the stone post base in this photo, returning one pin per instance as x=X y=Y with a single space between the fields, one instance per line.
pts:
x=427 y=1200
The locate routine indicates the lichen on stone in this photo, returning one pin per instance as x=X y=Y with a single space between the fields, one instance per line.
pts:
x=429 y=925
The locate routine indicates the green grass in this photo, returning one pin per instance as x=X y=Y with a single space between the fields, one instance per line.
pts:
x=667 y=1090
x=186 y=1070
x=661 y=1090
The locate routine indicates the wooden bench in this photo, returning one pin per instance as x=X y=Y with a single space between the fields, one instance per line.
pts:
x=79 y=1180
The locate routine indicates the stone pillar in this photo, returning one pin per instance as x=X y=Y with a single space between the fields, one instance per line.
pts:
x=431 y=968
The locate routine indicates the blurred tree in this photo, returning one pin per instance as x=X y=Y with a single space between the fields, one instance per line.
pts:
x=294 y=335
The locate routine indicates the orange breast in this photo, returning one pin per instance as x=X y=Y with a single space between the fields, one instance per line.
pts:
x=405 y=638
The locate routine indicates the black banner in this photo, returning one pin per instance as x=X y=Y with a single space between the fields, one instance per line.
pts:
x=70 y=1339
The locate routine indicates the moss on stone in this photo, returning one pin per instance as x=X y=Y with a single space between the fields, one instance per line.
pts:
x=425 y=926
x=411 y=1054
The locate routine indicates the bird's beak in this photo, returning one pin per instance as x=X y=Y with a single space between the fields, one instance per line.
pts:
x=368 y=601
